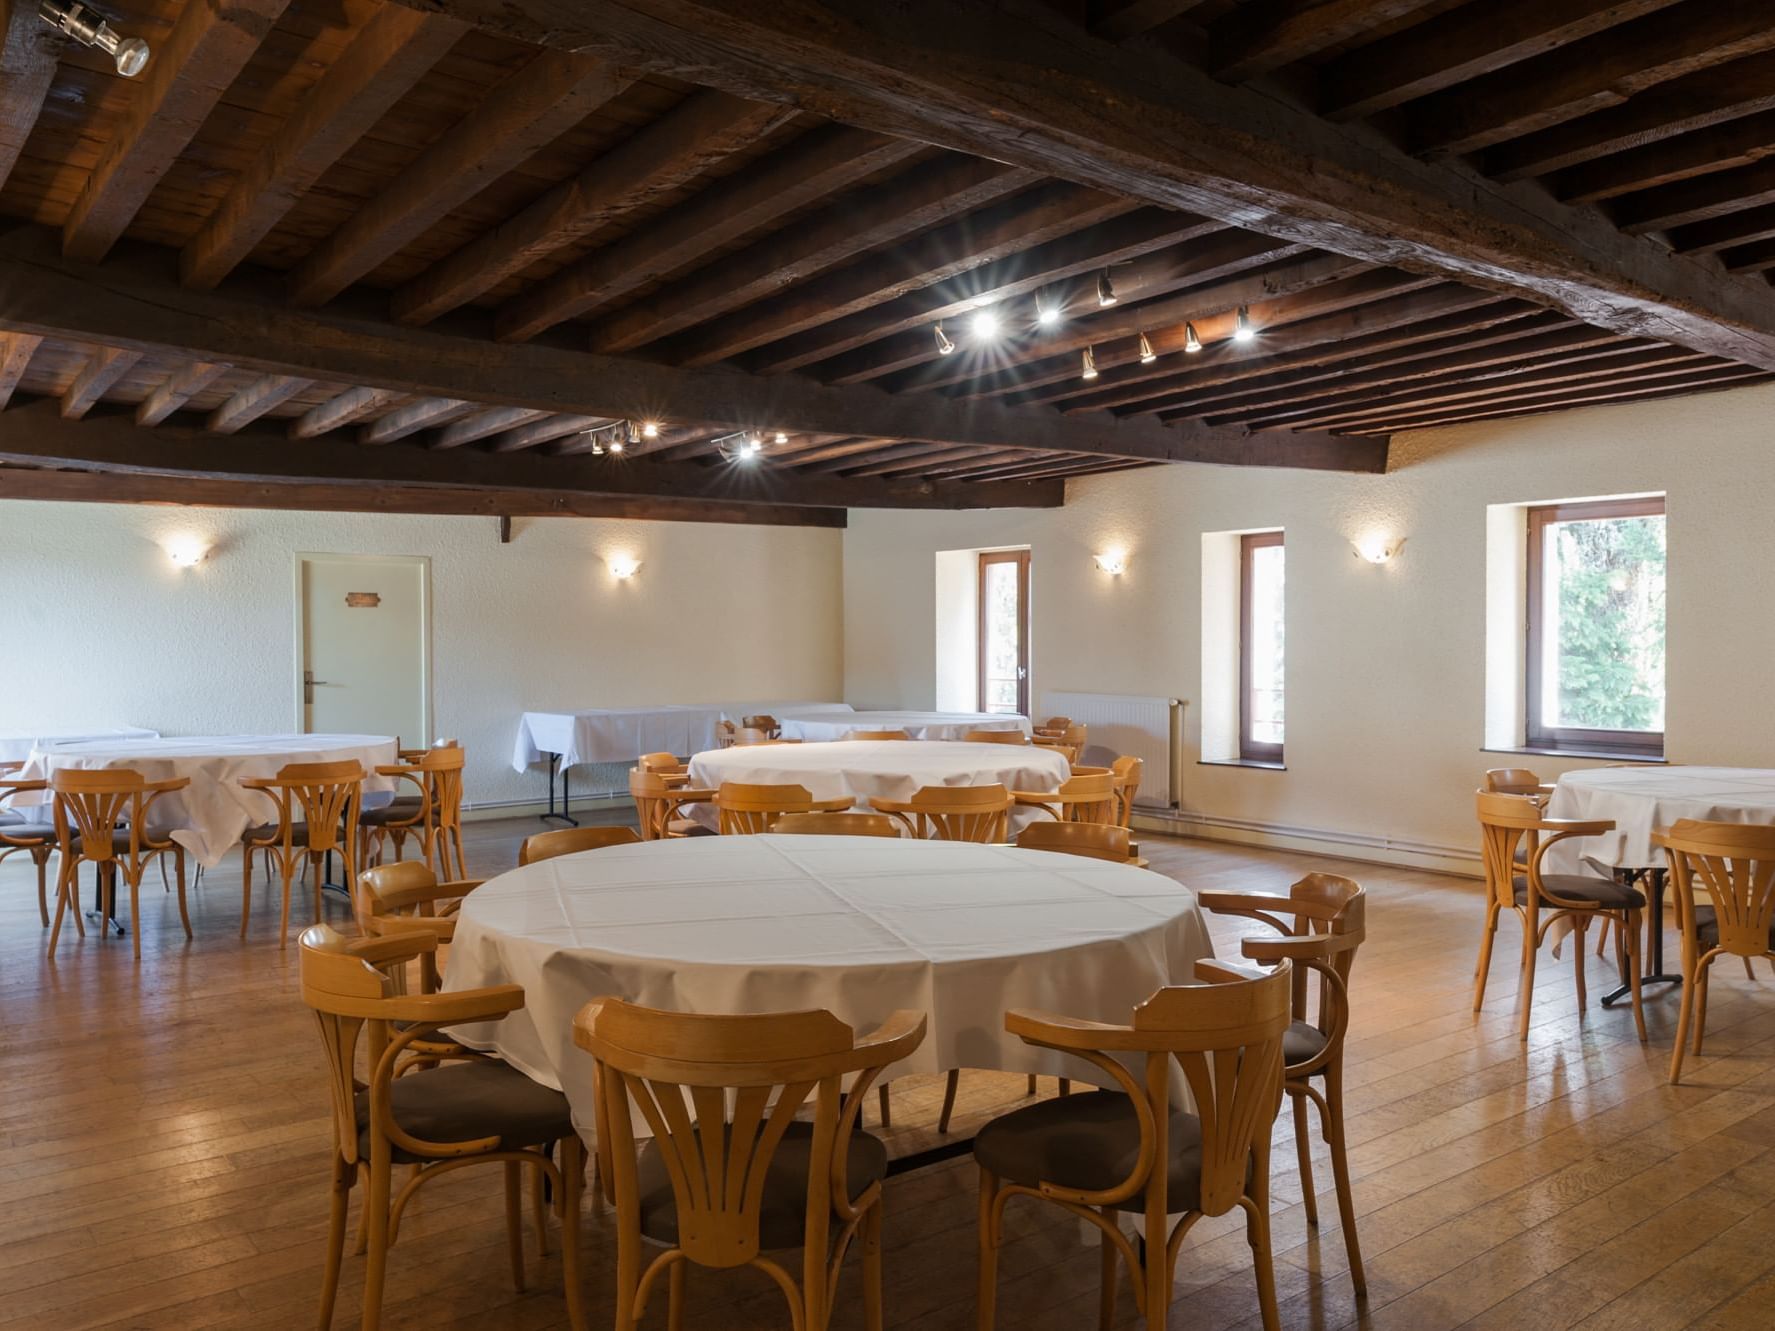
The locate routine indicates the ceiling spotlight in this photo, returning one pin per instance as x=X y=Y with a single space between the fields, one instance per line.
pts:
x=782 y=438
x=1046 y=315
x=1191 y=343
x=617 y=445
x=1147 y=354
x=985 y=325
x=1243 y=331
x=1090 y=365
x=944 y=345
x=130 y=54
x=650 y=429
x=597 y=449
x=1106 y=294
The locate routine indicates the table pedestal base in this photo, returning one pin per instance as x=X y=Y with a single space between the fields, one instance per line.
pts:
x=1654 y=885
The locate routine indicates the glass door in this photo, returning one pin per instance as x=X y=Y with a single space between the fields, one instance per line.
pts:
x=1004 y=632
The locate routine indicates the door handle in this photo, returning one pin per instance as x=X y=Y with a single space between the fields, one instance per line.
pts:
x=309 y=683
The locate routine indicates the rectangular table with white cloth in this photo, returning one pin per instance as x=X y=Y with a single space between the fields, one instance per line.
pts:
x=622 y=734
x=828 y=725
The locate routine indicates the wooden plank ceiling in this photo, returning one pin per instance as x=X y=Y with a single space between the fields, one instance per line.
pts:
x=542 y=256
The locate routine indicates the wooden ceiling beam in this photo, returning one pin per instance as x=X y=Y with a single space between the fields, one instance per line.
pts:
x=394 y=50
x=1724 y=232
x=16 y=350
x=1752 y=258
x=1219 y=257
x=485 y=424
x=1465 y=43
x=662 y=156
x=180 y=387
x=28 y=48
x=92 y=487
x=1696 y=101
x=1017 y=82
x=33 y=435
x=253 y=401
x=530 y=109
x=1130 y=18
x=209 y=45
x=1736 y=143
x=995 y=233
x=545 y=431
x=1697 y=199
x=95 y=378
x=1264 y=35
x=351 y=406
x=420 y=414
x=904 y=205
x=1143 y=245
x=130 y=302
x=1601 y=71
x=915 y=459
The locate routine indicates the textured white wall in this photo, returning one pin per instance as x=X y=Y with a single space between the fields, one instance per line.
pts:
x=102 y=629
x=1386 y=665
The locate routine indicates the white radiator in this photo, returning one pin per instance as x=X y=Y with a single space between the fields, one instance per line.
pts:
x=1149 y=728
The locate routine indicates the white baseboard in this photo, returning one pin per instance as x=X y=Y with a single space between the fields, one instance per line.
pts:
x=1461 y=860
x=537 y=808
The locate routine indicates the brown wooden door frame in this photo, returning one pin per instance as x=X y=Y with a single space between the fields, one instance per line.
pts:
x=1021 y=559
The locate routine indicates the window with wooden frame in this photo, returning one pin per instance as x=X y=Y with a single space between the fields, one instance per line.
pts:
x=1262 y=584
x=1003 y=643
x=1594 y=677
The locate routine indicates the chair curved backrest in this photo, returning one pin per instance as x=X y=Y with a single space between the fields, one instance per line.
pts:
x=407 y=896
x=752 y=1075
x=659 y=801
x=954 y=813
x=573 y=840
x=761 y=721
x=663 y=763
x=438 y=774
x=1128 y=772
x=1735 y=864
x=1507 y=822
x=324 y=797
x=1226 y=1035
x=1099 y=841
x=724 y=734
x=836 y=824
x=995 y=737
x=1083 y=799
x=1054 y=725
x=747 y=809
x=90 y=803
x=876 y=734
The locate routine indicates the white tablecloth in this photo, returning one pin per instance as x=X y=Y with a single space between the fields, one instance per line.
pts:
x=1640 y=799
x=16 y=745
x=209 y=815
x=893 y=769
x=919 y=725
x=623 y=734
x=861 y=926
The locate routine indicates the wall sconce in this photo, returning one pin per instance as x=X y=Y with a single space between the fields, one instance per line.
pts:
x=623 y=567
x=186 y=551
x=1112 y=562
x=1376 y=549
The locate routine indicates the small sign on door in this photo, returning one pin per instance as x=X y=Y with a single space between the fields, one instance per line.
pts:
x=363 y=600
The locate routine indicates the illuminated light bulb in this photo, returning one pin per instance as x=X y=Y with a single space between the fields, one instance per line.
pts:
x=1147 y=354
x=1090 y=364
x=1106 y=293
x=186 y=551
x=623 y=566
x=782 y=438
x=1191 y=343
x=1243 y=331
x=985 y=325
x=650 y=429
x=1112 y=562
x=616 y=445
x=944 y=345
x=1046 y=315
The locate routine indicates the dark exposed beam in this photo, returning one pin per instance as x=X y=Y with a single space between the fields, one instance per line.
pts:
x=179 y=387
x=92 y=487
x=1697 y=199
x=209 y=45
x=253 y=401
x=34 y=435
x=1018 y=83
x=102 y=370
x=1722 y=232
x=544 y=431
x=27 y=68
x=1123 y=19
x=1263 y=35
x=484 y=424
x=16 y=350
x=1735 y=143
x=351 y=406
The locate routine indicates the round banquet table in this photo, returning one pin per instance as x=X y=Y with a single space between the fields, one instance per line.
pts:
x=1639 y=799
x=918 y=725
x=892 y=769
x=861 y=926
x=209 y=815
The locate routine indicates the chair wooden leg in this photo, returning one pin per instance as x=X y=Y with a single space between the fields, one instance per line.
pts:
x=42 y=861
x=514 y=1221
x=872 y=1308
x=63 y=873
x=675 y=1296
x=1257 y=1233
x=1340 y=1173
x=1578 y=958
x=246 y=888
x=573 y=1176
x=1484 y=968
x=1701 y=979
x=1106 y=1276
x=1631 y=922
x=986 y=1305
x=951 y=1084
x=134 y=878
x=886 y=1105
x=1030 y=1089
x=1066 y=1086
x=339 y=1201
x=1304 y=1148
x=184 y=910
x=1526 y=997
x=539 y=1210
x=376 y=1244
x=1685 y=1015
x=287 y=871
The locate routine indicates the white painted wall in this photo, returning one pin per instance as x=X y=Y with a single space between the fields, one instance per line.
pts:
x=1386 y=665
x=102 y=629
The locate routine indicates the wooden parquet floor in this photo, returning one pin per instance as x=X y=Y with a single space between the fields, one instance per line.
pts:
x=163 y=1133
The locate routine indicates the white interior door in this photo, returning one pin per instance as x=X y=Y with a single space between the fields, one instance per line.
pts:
x=363 y=645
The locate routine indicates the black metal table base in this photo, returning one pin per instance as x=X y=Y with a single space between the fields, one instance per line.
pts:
x=564 y=816
x=1654 y=887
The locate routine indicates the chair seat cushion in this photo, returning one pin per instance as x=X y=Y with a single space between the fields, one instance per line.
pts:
x=269 y=832
x=687 y=827
x=120 y=843
x=783 y=1210
x=1707 y=928
x=1088 y=1142
x=466 y=1101
x=27 y=832
x=1605 y=892
x=403 y=810
x=1302 y=1041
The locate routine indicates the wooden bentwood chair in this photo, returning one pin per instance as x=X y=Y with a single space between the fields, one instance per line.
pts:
x=1735 y=864
x=952 y=813
x=406 y=895
x=836 y=824
x=1080 y=799
x=429 y=1103
x=1128 y=772
x=1521 y=887
x=1127 y=1151
x=877 y=734
x=1098 y=841
x=572 y=840
x=994 y=737
x=317 y=808
x=1326 y=929
x=747 y=809
x=1523 y=781
x=660 y=802
x=747 y=1176
x=36 y=839
x=437 y=819
x=101 y=819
